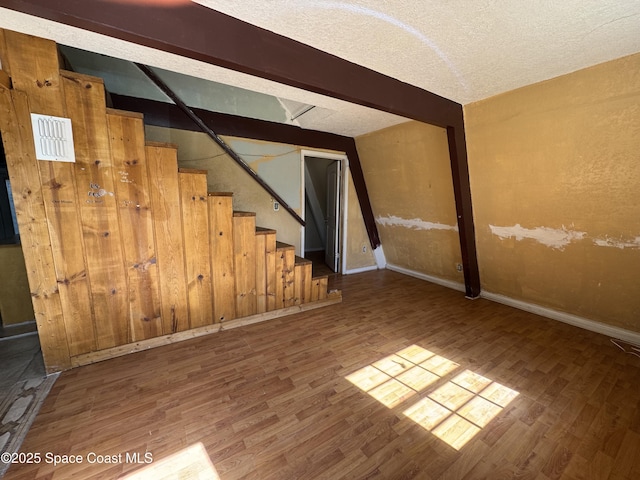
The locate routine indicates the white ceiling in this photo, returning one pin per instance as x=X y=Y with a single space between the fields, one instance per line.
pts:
x=460 y=49
x=463 y=50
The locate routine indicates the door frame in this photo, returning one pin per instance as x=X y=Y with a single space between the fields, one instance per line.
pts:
x=343 y=199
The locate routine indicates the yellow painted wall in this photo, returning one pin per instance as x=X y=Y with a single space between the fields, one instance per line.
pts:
x=408 y=175
x=15 y=296
x=555 y=183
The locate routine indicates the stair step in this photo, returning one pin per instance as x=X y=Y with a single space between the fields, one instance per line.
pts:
x=238 y=213
x=280 y=246
x=302 y=261
x=264 y=231
x=80 y=76
x=192 y=170
x=149 y=143
x=220 y=194
x=124 y=113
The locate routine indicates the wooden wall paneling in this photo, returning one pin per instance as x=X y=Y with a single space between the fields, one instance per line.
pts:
x=298 y=288
x=222 y=259
x=302 y=280
x=270 y=265
x=288 y=290
x=264 y=237
x=94 y=173
x=195 y=225
x=244 y=248
x=35 y=70
x=126 y=135
x=280 y=268
x=162 y=164
x=307 y=283
x=323 y=285
x=34 y=234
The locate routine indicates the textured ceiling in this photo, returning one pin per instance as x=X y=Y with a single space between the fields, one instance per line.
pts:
x=460 y=49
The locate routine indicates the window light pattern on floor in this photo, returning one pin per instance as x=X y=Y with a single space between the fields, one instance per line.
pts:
x=454 y=412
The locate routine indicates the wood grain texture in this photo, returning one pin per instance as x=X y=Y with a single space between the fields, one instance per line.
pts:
x=272 y=400
x=34 y=233
x=195 y=228
x=126 y=136
x=35 y=71
x=94 y=174
x=162 y=164
x=222 y=260
x=265 y=266
x=244 y=252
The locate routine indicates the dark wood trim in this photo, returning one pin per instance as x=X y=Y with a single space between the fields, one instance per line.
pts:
x=191 y=30
x=464 y=210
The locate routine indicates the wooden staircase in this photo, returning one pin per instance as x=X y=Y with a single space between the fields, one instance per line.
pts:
x=124 y=250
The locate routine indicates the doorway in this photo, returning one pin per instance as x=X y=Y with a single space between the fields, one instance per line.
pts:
x=323 y=211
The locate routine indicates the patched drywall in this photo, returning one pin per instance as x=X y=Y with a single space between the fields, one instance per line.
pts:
x=408 y=176
x=555 y=176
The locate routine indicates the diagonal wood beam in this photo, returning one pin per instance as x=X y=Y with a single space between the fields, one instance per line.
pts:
x=188 y=111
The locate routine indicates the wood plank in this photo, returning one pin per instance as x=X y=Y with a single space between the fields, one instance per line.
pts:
x=126 y=135
x=195 y=228
x=162 y=164
x=244 y=248
x=35 y=70
x=302 y=280
x=34 y=233
x=306 y=283
x=270 y=266
x=265 y=241
x=94 y=173
x=222 y=259
x=298 y=289
x=288 y=289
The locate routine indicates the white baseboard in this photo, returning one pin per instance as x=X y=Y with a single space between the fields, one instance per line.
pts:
x=592 y=325
x=428 y=278
x=360 y=270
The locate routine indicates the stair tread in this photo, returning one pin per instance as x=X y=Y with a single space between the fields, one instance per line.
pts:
x=239 y=213
x=220 y=194
x=149 y=143
x=302 y=261
x=320 y=277
x=284 y=246
x=264 y=231
x=192 y=170
x=124 y=113
x=80 y=76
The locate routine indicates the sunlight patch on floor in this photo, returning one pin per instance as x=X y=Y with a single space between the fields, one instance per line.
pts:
x=455 y=412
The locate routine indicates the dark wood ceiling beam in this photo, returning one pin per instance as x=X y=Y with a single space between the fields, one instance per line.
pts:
x=191 y=30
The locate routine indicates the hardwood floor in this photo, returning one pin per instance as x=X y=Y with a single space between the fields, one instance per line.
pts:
x=379 y=386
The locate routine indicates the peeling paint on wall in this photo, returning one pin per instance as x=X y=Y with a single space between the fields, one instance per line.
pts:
x=558 y=238
x=608 y=242
x=413 y=223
